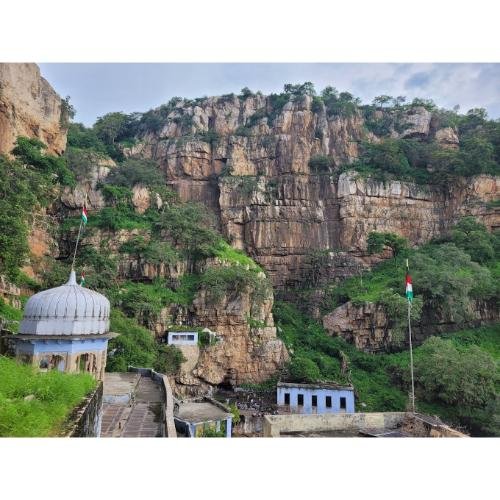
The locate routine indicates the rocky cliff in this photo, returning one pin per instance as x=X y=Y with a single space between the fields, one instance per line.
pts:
x=250 y=163
x=251 y=160
x=30 y=107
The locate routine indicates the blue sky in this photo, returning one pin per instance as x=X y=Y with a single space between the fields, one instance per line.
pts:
x=96 y=89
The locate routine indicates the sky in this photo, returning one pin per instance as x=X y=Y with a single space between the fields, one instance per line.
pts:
x=97 y=89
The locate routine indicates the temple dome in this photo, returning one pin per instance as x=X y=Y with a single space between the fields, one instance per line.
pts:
x=69 y=309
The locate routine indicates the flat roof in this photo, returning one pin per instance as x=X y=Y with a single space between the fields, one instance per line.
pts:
x=319 y=385
x=200 y=411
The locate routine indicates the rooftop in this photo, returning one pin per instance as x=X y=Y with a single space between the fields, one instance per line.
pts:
x=69 y=309
x=201 y=411
x=318 y=385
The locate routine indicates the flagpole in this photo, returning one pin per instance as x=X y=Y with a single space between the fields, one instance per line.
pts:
x=79 y=233
x=411 y=360
x=411 y=347
x=76 y=246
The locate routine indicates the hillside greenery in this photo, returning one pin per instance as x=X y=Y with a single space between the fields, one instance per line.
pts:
x=381 y=381
x=449 y=274
x=34 y=404
x=27 y=184
x=135 y=346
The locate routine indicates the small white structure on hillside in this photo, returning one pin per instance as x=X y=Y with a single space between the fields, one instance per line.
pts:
x=182 y=338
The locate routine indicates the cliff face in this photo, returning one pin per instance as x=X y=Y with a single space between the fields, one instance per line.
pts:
x=247 y=347
x=369 y=327
x=29 y=106
x=253 y=172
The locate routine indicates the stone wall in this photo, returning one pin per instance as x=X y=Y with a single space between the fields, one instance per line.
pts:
x=404 y=424
x=85 y=420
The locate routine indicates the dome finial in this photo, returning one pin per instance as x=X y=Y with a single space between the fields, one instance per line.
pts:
x=72 y=278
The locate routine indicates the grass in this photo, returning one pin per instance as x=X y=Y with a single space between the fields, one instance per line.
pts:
x=369 y=288
x=227 y=253
x=11 y=315
x=55 y=396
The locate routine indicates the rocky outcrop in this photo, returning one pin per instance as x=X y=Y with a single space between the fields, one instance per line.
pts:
x=29 y=106
x=369 y=328
x=447 y=138
x=247 y=349
x=366 y=326
x=87 y=189
x=416 y=212
x=244 y=352
x=416 y=123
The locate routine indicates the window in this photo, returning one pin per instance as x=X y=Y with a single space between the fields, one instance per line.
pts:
x=343 y=403
x=300 y=399
x=315 y=401
x=190 y=337
x=328 y=401
x=175 y=337
x=287 y=398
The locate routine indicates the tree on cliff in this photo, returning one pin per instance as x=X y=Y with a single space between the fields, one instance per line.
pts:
x=113 y=127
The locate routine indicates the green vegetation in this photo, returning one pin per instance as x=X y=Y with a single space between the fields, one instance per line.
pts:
x=81 y=161
x=425 y=162
x=210 y=136
x=245 y=92
x=230 y=255
x=244 y=184
x=444 y=277
x=152 y=252
x=342 y=104
x=381 y=381
x=211 y=432
x=83 y=138
x=376 y=242
x=135 y=346
x=221 y=281
x=136 y=171
x=144 y=301
x=27 y=183
x=236 y=413
x=67 y=112
x=449 y=275
x=10 y=315
x=169 y=359
x=34 y=404
x=321 y=163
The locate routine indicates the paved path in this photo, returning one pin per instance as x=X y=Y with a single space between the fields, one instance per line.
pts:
x=138 y=417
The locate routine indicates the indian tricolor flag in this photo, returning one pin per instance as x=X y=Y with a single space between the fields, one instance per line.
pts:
x=84 y=215
x=409 y=287
x=82 y=279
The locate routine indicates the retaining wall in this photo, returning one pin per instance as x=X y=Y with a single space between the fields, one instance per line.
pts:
x=85 y=420
x=274 y=425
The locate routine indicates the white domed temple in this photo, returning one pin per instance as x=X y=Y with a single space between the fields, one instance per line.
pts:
x=65 y=328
